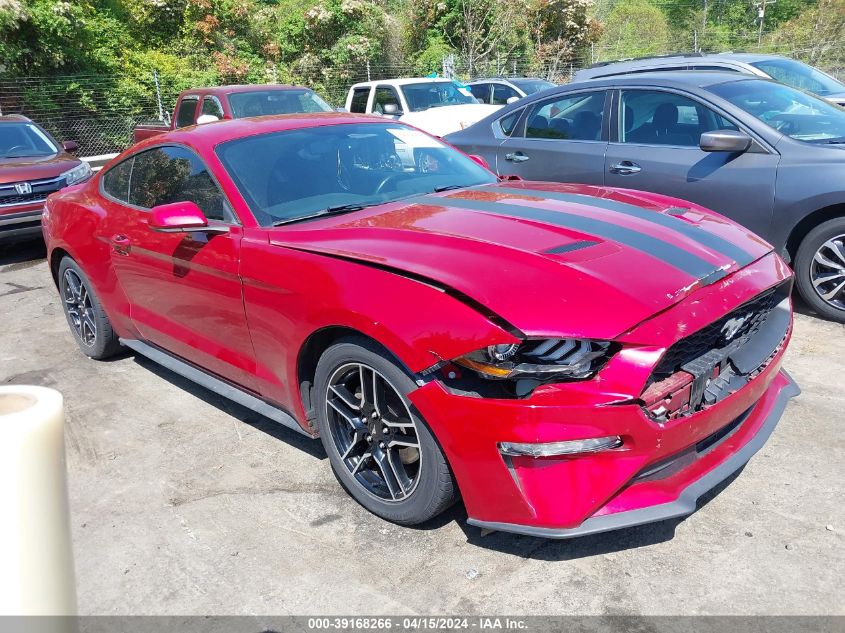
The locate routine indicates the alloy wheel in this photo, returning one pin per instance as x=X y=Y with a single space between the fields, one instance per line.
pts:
x=79 y=309
x=374 y=432
x=827 y=272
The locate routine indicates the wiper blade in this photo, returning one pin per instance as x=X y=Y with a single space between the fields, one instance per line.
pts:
x=447 y=188
x=334 y=210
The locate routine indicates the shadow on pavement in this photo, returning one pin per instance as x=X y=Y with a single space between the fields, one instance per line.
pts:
x=255 y=420
x=21 y=255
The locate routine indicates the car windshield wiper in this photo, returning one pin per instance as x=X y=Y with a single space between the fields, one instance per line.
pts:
x=835 y=141
x=334 y=210
x=447 y=188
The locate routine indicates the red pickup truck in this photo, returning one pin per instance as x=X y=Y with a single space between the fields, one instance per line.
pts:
x=204 y=105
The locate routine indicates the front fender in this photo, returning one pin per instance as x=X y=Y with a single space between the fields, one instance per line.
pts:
x=291 y=294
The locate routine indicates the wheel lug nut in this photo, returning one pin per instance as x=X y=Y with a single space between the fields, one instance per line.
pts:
x=381 y=444
x=374 y=415
x=385 y=431
x=369 y=438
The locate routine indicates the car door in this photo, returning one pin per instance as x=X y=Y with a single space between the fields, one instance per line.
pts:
x=184 y=289
x=655 y=147
x=562 y=138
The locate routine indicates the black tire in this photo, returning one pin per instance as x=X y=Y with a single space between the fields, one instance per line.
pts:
x=806 y=268
x=100 y=341
x=432 y=488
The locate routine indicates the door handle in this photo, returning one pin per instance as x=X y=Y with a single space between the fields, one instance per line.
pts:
x=120 y=244
x=625 y=168
x=516 y=157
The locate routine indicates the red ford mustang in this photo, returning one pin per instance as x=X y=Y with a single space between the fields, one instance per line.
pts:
x=571 y=359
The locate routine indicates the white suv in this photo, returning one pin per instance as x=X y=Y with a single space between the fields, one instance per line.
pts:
x=437 y=106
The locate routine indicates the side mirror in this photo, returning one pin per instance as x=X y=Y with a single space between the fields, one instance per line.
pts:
x=724 y=141
x=391 y=109
x=512 y=100
x=181 y=217
x=480 y=160
x=70 y=146
x=206 y=118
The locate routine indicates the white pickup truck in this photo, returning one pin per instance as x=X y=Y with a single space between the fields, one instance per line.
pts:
x=438 y=106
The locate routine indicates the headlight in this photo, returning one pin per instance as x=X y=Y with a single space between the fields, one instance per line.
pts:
x=543 y=359
x=77 y=174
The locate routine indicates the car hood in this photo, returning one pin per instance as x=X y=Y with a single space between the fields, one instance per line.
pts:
x=550 y=259
x=445 y=119
x=35 y=167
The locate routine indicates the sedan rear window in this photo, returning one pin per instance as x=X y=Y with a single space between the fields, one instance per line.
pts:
x=267 y=102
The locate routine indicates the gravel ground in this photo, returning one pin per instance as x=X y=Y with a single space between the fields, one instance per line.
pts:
x=183 y=503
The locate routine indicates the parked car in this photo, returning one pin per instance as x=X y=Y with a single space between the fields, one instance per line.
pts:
x=32 y=166
x=764 y=154
x=783 y=69
x=501 y=90
x=360 y=280
x=205 y=105
x=438 y=106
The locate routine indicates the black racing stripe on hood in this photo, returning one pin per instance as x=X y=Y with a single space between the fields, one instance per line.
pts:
x=702 y=236
x=675 y=256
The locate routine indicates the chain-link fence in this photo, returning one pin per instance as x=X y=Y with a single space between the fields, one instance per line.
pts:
x=100 y=112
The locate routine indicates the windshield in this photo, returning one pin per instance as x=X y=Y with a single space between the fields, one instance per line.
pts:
x=293 y=174
x=799 y=75
x=789 y=111
x=259 y=103
x=433 y=94
x=530 y=86
x=23 y=140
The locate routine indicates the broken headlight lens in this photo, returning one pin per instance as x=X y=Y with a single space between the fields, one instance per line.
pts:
x=542 y=359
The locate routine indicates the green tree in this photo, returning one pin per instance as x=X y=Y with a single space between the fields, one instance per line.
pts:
x=634 y=28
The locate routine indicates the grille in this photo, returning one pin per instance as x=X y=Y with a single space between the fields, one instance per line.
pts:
x=40 y=190
x=741 y=324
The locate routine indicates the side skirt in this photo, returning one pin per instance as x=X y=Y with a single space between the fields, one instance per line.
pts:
x=212 y=383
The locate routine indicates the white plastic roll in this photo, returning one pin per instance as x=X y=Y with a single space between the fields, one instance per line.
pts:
x=36 y=556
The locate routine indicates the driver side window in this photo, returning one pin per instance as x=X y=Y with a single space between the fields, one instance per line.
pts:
x=174 y=174
x=385 y=95
x=651 y=117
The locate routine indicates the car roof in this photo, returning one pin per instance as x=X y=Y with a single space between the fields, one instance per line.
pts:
x=209 y=135
x=507 y=79
x=403 y=81
x=243 y=88
x=666 y=78
x=14 y=118
x=641 y=62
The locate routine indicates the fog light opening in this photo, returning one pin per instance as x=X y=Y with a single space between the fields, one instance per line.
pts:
x=551 y=449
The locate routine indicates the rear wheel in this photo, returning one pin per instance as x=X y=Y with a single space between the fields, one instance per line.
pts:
x=88 y=321
x=820 y=269
x=379 y=447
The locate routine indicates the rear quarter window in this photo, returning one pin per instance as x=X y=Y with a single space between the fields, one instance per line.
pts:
x=116 y=180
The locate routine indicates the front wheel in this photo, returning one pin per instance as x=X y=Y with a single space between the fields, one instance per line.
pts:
x=820 y=269
x=380 y=449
